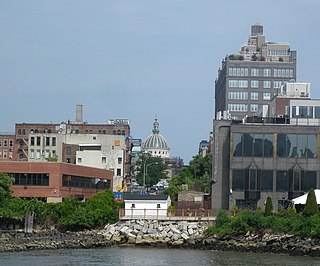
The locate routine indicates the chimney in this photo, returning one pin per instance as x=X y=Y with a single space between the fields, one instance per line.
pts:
x=79 y=113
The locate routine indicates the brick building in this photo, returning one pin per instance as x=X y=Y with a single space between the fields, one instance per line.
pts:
x=51 y=182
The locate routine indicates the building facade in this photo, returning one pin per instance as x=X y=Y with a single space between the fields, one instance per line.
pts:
x=104 y=146
x=51 y=182
x=255 y=160
x=249 y=79
x=7 y=147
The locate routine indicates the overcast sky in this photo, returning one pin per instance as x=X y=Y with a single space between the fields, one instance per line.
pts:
x=138 y=59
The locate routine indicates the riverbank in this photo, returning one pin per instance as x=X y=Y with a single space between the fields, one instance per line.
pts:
x=180 y=234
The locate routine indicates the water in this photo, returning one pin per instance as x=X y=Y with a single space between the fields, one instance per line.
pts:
x=117 y=256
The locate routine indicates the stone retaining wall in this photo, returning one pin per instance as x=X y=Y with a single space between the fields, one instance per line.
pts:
x=151 y=232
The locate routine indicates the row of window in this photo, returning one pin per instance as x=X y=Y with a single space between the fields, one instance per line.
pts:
x=6 y=142
x=47 y=141
x=306 y=111
x=255 y=72
x=278 y=52
x=118 y=132
x=31 y=179
x=32 y=131
x=293 y=180
x=36 y=154
x=266 y=84
x=4 y=155
x=262 y=145
x=243 y=95
x=238 y=83
x=84 y=182
x=241 y=107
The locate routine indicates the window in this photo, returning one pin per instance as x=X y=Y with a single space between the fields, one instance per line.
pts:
x=267 y=72
x=103 y=159
x=266 y=181
x=158 y=206
x=253 y=107
x=254 y=96
x=5 y=143
x=302 y=111
x=235 y=83
x=277 y=84
x=32 y=141
x=68 y=150
x=238 y=95
x=47 y=141
x=237 y=107
x=317 y=112
x=38 y=141
x=282 y=181
x=266 y=96
x=252 y=183
x=79 y=160
x=10 y=143
x=118 y=172
x=0 y=142
x=254 y=72
x=32 y=154
x=238 y=177
x=54 y=141
x=5 y=154
x=119 y=160
x=309 y=180
x=31 y=179
x=133 y=205
x=254 y=83
x=266 y=84
x=38 y=154
x=257 y=145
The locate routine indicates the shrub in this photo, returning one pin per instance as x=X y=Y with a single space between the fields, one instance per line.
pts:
x=222 y=218
x=311 y=207
x=269 y=208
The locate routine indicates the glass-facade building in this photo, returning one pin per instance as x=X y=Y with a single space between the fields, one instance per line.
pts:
x=254 y=161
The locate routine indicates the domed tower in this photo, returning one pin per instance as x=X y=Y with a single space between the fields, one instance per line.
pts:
x=156 y=144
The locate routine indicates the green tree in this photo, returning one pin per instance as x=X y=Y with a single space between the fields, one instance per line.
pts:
x=269 y=207
x=311 y=207
x=6 y=182
x=153 y=168
x=52 y=159
x=102 y=208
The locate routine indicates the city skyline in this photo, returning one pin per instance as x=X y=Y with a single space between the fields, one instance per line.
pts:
x=136 y=60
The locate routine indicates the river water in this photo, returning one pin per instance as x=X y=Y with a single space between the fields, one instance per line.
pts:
x=117 y=256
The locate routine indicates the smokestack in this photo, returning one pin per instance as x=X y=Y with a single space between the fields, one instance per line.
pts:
x=79 y=113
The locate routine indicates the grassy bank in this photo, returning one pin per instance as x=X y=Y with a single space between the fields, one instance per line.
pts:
x=256 y=221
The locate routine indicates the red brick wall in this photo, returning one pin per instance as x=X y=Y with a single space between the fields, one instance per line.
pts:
x=55 y=171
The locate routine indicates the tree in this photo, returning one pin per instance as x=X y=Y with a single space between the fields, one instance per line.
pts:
x=311 y=207
x=197 y=176
x=269 y=208
x=6 y=182
x=52 y=159
x=154 y=167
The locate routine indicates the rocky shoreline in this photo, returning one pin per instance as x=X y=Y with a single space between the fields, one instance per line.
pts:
x=170 y=234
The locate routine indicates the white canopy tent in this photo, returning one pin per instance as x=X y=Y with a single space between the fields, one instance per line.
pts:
x=303 y=199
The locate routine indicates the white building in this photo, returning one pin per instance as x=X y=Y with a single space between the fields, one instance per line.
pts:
x=146 y=206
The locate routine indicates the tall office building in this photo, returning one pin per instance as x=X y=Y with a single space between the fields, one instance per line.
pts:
x=248 y=79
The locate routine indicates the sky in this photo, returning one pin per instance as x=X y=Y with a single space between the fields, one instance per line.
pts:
x=138 y=59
